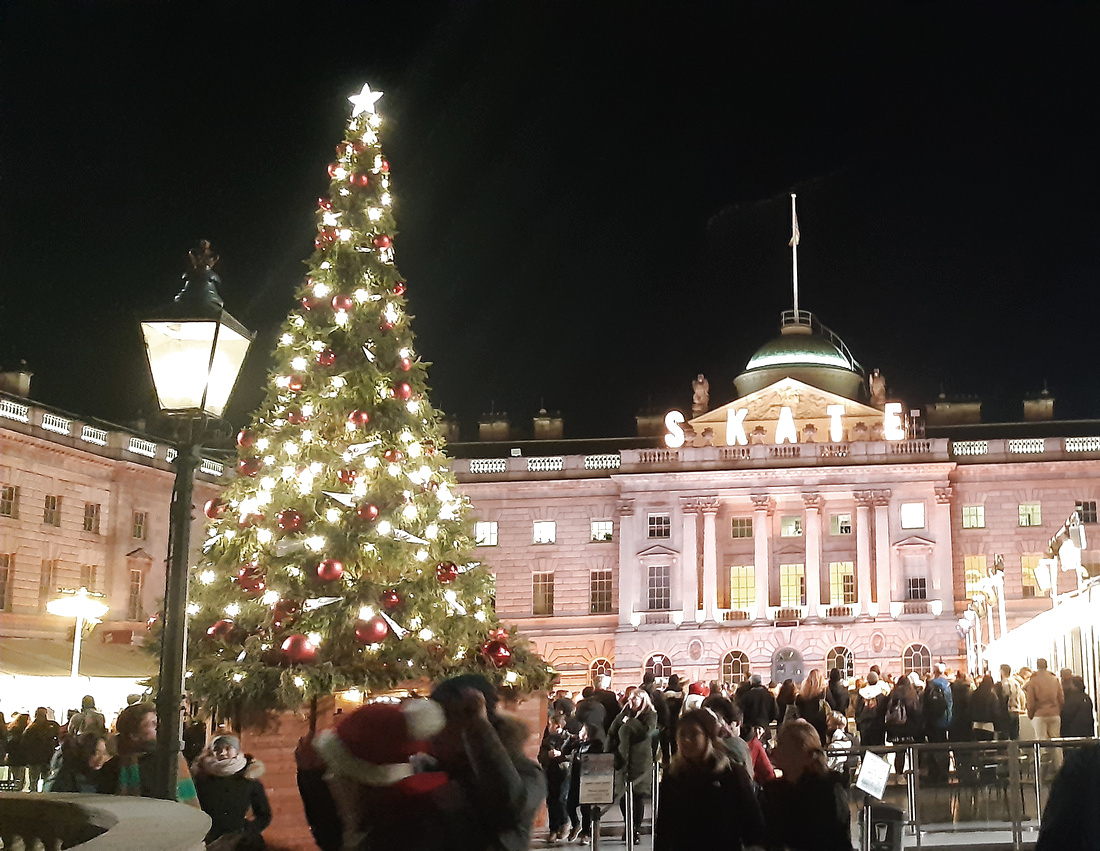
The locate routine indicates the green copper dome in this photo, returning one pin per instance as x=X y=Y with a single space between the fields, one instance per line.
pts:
x=809 y=352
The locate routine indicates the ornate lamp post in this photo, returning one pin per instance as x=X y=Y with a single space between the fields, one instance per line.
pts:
x=82 y=605
x=195 y=351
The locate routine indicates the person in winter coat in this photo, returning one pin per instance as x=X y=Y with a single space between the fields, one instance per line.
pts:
x=17 y=762
x=807 y=808
x=674 y=699
x=703 y=795
x=904 y=722
x=810 y=703
x=1071 y=819
x=632 y=738
x=836 y=695
x=228 y=785
x=555 y=764
x=88 y=719
x=1078 y=717
x=870 y=712
x=787 y=693
x=759 y=708
x=131 y=771
x=80 y=760
x=960 y=731
x=3 y=741
x=40 y=740
x=983 y=711
x=660 y=704
x=589 y=739
x=762 y=770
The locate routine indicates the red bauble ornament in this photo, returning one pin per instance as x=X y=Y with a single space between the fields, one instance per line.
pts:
x=326 y=357
x=325 y=204
x=330 y=570
x=214 y=508
x=367 y=511
x=251 y=579
x=360 y=179
x=429 y=447
x=347 y=477
x=342 y=302
x=446 y=572
x=385 y=166
x=296 y=418
x=382 y=241
x=399 y=288
x=284 y=613
x=385 y=325
x=402 y=390
x=298 y=650
x=373 y=631
x=295 y=384
x=332 y=169
x=290 y=520
x=358 y=419
x=406 y=364
x=391 y=599
x=394 y=456
x=310 y=302
x=249 y=466
x=498 y=635
x=250 y=520
x=221 y=629
x=245 y=438
x=496 y=652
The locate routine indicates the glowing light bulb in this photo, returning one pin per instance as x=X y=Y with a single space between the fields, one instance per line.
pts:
x=326 y=265
x=321 y=289
x=412 y=406
x=298 y=321
x=341 y=318
x=479 y=616
x=421 y=555
x=316 y=467
x=394 y=469
x=286 y=339
x=339 y=172
x=338 y=381
x=316 y=543
x=370 y=462
x=404 y=352
x=307 y=436
x=192 y=608
x=406 y=436
x=267 y=483
x=409 y=512
x=384 y=527
x=386 y=199
x=374 y=214
x=282 y=381
x=366 y=613
x=414 y=450
x=298 y=363
x=299 y=682
x=270 y=598
x=263 y=443
x=269 y=460
x=390 y=313
x=361 y=296
x=293 y=571
x=360 y=488
x=238 y=677
x=264 y=536
x=333 y=515
x=307 y=410
x=426 y=634
x=511 y=677
x=232 y=610
x=314 y=638
x=288 y=473
x=290 y=449
x=431 y=531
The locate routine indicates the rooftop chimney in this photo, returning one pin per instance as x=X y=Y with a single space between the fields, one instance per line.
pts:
x=961 y=412
x=548 y=427
x=494 y=426
x=650 y=424
x=1039 y=408
x=448 y=426
x=18 y=381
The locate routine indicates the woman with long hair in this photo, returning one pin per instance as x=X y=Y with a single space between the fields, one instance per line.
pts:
x=810 y=703
x=633 y=737
x=904 y=722
x=703 y=795
x=82 y=757
x=785 y=698
x=807 y=808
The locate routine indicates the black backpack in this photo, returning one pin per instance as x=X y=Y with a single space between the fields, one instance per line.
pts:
x=935 y=702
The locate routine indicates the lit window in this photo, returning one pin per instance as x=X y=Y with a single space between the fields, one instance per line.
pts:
x=47 y=582
x=88 y=576
x=912 y=515
x=599 y=592
x=602 y=530
x=842 y=583
x=51 y=510
x=840 y=524
x=1028 y=565
x=542 y=590
x=916 y=657
x=138 y=530
x=659 y=588
x=485 y=533
x=842 y=659
x=735 y=667
x=1087 y=511
x=974 y=571
x=790 y=527
x=742 y=527
x=7 y=574
x=91 y=517
x=792 y=585
x=916 y=588
x=659 y=665
x=599 y=668
x=740 y=592
x=546 y=531
x=135 y=608
x=973 y=516
x=9 y=501
x=1031 y=514
x=660 y=526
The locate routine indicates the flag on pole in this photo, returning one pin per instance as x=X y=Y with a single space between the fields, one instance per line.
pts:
x=794 y=224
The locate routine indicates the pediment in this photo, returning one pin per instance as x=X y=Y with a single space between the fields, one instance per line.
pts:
x=805 y=402
x=914 y=542
x=139 y=554
x=659 y=551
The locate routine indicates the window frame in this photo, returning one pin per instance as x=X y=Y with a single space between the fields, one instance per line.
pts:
x=536 y=525
x=735 y=667
x=597 y=590
x=601 y=666
x=847 y=583
x=658 y=587
x=656 y=664
x=1086 y=510
x=542 y=594
x=836 y=526
x=89 y=576
x=790 y=526
x=51 y=510
x=601 y=531
x=135 y=595
x=1028 y=518
x=746 y=574
x=92 y=513
x=973 y=516
x=785 y=577
x=47 y=581
x=741 y=528
x=977 y=564
x=492 y=530
x=911 y=653
x=659 y=525
x=9 y=501
x=139 y=529
x=7 y=577
x=916 y=588
x=913 y=505
x=839 y=651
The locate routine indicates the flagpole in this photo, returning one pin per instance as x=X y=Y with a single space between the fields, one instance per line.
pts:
x=794 y=255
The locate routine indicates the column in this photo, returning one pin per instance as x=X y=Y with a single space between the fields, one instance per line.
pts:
x=868 y=608
x=689 y=577
x=942 y=567
x=882 y=551
x=813 y=503
x=710 y=560
x=628 y=563
x=762 y=508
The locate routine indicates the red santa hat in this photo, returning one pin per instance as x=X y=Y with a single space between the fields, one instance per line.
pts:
x=697 y=688
x=373 y=744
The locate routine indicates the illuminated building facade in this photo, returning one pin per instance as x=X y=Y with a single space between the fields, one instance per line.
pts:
x=808 y=523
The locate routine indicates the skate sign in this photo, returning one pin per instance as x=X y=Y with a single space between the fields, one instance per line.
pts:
x=874 y=774
x=597 y=772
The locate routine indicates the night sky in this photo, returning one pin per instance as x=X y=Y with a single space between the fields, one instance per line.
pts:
x=593 y=197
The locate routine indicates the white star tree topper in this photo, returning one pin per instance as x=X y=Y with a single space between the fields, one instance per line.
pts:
x=364 y=101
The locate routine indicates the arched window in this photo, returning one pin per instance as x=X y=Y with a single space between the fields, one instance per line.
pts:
x=787 y=664
x=841 y=658
x=659 y=665
x=600 y=668
x=735 y=667
x=916 y=657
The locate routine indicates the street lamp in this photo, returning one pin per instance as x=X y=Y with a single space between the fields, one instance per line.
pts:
x=195 y=351
x=82 y=605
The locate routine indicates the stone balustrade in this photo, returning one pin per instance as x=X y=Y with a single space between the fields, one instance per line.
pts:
x=98 y=823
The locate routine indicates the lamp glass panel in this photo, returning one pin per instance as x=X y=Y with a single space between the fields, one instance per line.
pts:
x=228 y=360
x=179 y=357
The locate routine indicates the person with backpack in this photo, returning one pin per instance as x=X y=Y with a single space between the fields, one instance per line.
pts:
x=88 y=719
x=39 y=743
x=870 y=712
x=903 y=720
x=936 y=707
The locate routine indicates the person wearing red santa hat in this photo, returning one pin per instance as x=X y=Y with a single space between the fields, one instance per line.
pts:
x=378 y=791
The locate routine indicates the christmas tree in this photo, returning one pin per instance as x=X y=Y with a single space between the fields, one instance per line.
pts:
x=340 y=556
